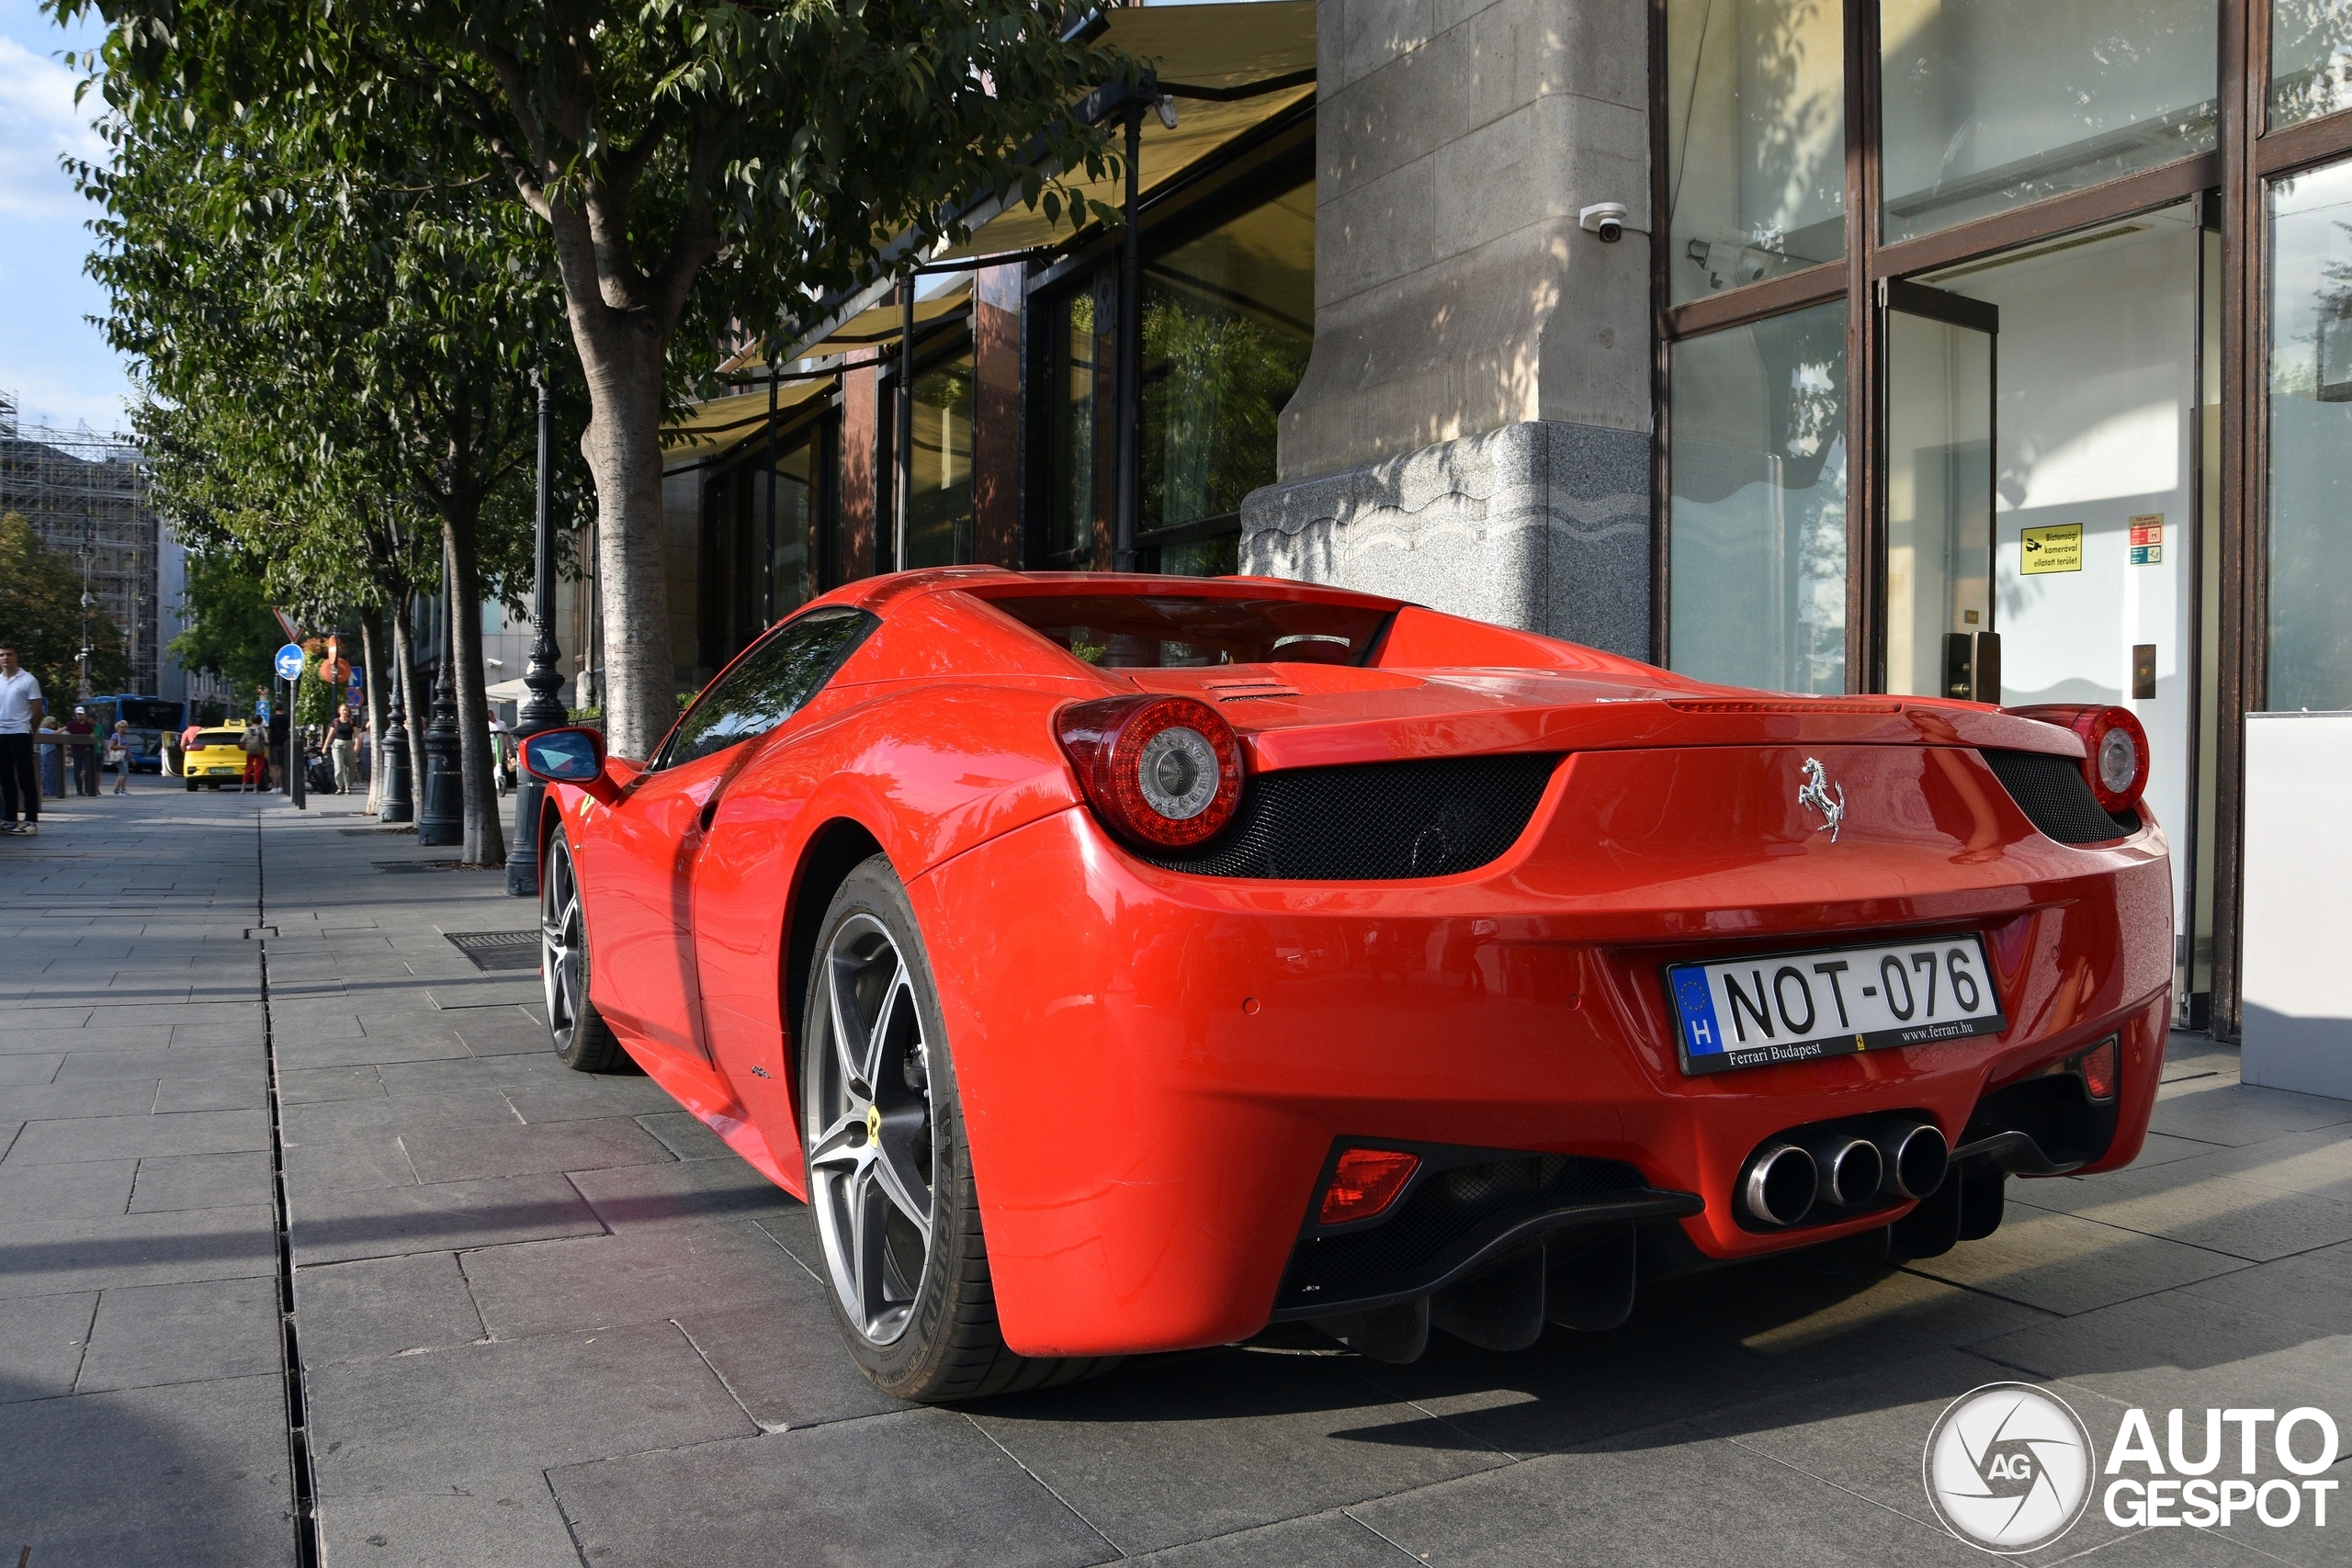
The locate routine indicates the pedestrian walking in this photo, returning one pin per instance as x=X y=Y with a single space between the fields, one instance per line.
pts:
x=255 y=744
x=82 y=751
x=118 y=755
x=21 y=711
x=343 y=744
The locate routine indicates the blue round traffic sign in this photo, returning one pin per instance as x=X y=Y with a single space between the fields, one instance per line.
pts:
x=290 y=661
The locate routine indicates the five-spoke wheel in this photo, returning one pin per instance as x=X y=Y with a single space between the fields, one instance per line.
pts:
x=582 y=1043
x=868 y=1103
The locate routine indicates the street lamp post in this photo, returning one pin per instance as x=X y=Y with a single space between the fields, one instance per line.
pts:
x=443 y=820
x=393 y=804
x=541 y=710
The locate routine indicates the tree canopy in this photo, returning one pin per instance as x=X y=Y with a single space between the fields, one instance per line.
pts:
x=682 y=168
x=229 y=630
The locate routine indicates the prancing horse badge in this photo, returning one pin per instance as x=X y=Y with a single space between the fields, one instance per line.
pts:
x=1827 y=799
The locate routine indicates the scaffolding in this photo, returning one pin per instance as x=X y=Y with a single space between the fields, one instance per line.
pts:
x=87 y=497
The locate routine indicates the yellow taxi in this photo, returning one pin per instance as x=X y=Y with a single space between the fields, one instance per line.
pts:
x=217 y=758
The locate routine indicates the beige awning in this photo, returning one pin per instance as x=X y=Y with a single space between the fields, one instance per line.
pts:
x=1253 y=63
x=713 y=429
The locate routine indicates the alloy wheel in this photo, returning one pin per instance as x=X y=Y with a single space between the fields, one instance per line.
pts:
x=563 y=947
x=868 y=1099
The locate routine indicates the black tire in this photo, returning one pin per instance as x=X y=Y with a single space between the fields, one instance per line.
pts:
x=191 y=786
x=583 y=1041
x=937 y=1340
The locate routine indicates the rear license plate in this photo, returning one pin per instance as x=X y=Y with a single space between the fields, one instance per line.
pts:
x=1796 y=1007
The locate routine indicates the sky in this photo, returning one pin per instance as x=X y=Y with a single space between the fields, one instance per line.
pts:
x=51 y=358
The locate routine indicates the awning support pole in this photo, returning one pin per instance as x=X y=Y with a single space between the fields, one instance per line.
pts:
x=1127 y=490
x=903 y=463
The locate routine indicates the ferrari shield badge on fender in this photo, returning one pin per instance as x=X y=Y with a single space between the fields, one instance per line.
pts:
x=1818 y=793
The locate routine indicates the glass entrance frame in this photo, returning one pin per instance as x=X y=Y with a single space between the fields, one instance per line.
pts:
x=2219 y=99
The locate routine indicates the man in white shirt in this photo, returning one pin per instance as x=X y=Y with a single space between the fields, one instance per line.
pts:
x=20 y=714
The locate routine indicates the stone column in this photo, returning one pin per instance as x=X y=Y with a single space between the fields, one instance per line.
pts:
x=1473 y=432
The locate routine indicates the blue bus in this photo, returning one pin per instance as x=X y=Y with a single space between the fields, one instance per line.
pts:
x=152 y=718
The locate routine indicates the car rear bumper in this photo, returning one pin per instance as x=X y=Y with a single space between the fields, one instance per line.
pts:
x=1155 y=1068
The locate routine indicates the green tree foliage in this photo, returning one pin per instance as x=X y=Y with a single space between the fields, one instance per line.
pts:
x=681 y=166
x=229 y=630
x=341 y=370
x=40 y=618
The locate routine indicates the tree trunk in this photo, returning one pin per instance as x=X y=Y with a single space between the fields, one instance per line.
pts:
x=485 y=842
x=371 y=647
x=624 y=361
x=417 y=709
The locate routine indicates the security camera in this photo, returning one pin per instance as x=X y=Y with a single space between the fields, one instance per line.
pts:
x=1606 y=219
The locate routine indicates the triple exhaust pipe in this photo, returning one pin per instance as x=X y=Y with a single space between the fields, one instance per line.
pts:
x=1897 y=1158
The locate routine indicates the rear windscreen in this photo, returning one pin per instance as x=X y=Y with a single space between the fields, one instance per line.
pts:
x=219 y=738
x=1157 y=631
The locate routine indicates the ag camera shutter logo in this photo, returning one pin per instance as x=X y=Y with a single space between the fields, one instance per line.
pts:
x=2008 y=1468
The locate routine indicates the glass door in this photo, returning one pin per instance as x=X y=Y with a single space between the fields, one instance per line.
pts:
x=1941 y=357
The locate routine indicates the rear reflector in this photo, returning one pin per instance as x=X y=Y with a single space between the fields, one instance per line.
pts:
x=2098 y=1068
x=1366 y=1182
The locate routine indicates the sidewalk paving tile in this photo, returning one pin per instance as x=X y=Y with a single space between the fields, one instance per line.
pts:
x=384 y=1306
x=430 y=1422
x=497 y=1521
x=954 y=1499
x=117 y=1137
x=42 y=1339
x=200 y=1182
x=73 y=1191
x=42 y=1256
x=209 y=1462
x=385 y=1222
x=149 y=1335
x=546 y=1287
x=1335 y=1539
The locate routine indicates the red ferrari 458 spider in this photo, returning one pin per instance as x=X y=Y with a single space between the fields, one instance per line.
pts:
x=1120 y=963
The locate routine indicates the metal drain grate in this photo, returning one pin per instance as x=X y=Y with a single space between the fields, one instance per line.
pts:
x=371 y=832
x=401 y=865
x=498 y=950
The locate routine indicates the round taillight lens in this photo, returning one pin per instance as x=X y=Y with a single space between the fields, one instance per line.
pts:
x=2115 y=748
x=1162 y=772
x=2115 y=757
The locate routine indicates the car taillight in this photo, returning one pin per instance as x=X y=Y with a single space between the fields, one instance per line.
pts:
x=1365 y=1182
x=1164 y=772
x=2096 y=1066
x=2115 y=748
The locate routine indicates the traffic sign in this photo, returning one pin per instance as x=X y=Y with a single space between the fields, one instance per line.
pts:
x=290 y=661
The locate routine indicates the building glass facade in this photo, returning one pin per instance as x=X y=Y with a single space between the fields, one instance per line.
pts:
x=2091 y=305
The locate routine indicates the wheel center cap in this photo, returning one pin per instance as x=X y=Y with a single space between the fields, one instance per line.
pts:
x=874 y=1123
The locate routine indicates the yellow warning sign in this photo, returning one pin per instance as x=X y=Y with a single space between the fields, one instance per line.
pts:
x=2052 y=550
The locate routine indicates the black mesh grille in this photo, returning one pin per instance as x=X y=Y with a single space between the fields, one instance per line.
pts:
x=1447 y=1205
x=2053 y=792
x=1374 y=822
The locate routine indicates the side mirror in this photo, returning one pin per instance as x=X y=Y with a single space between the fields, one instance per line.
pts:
x=572 y=756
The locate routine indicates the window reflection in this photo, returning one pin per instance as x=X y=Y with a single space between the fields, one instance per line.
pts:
x=939 y=500
x=1991 y=104
x=1756 y=139
x=2311 y=59
x=769 y=685
x=1757 y=520
x=2311 y=438
x=1228 y=321
x=1229 y=318
x=1085 y=350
